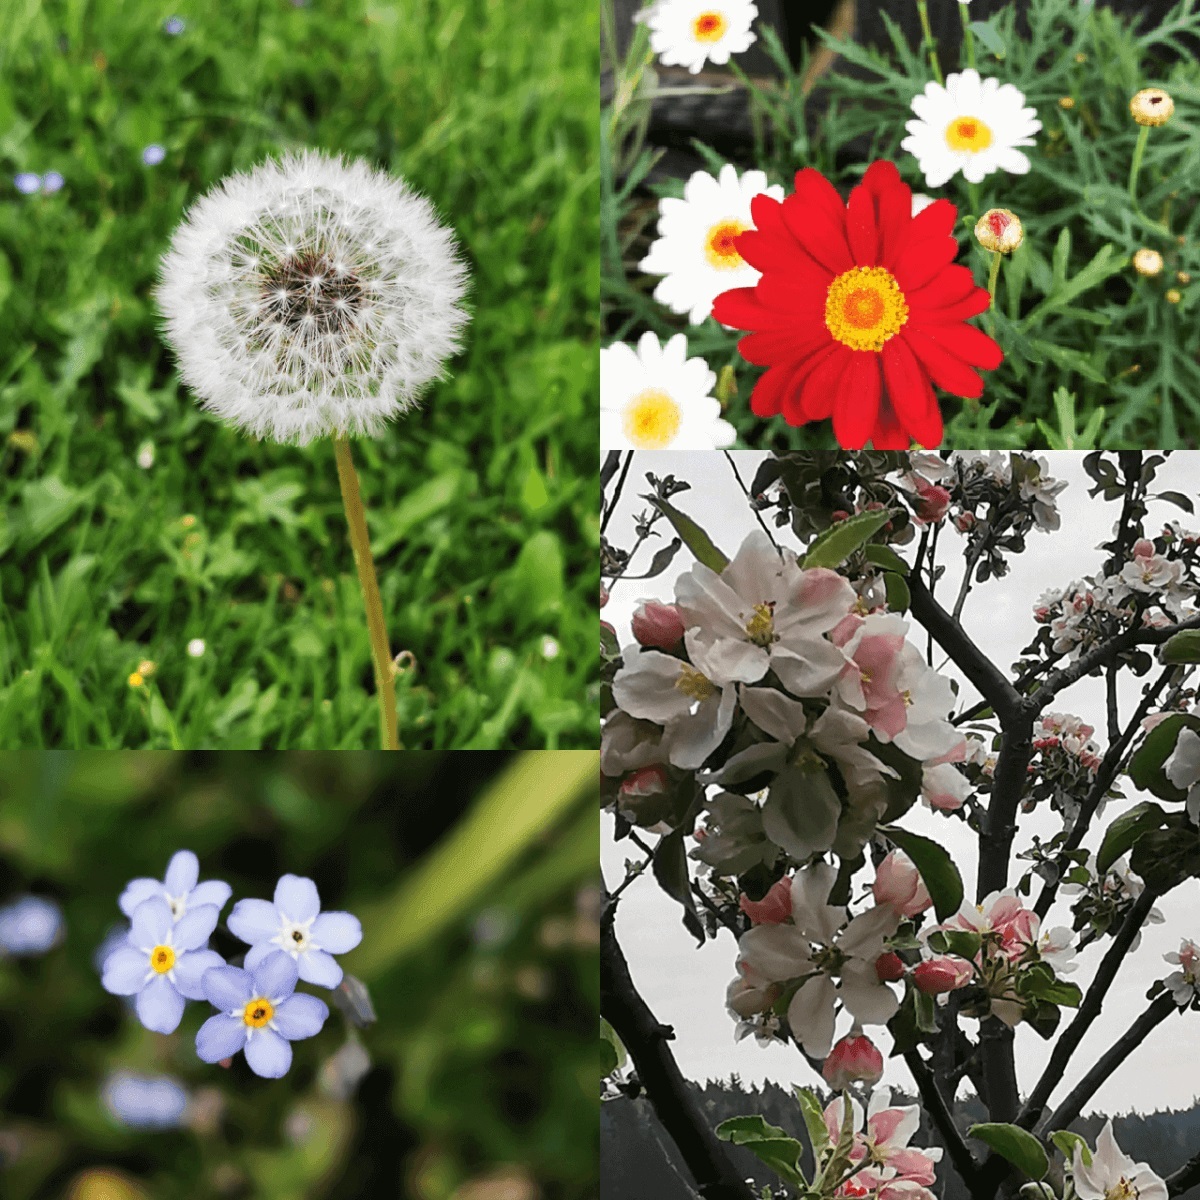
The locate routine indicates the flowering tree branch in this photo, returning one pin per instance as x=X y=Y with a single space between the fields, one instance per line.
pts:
x=1158 y=1010
x=1089 y=1010
x=943 y=1118
x=1186 y=1177
x=645 y=1038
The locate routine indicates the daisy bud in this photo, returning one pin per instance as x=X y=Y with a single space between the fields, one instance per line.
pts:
x=944 y=973
x=1152 y=106
x=1148 y=262
x=774 y=908
x=855 y=1059
x=1183 y=277
x=999 y=229
x=889 y=967
x=1174 y=295
x=657 y=625
x=899 y=883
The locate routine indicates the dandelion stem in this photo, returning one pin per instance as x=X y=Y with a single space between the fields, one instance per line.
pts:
x=1135 y=167
x=356 y=518
x=930 y=44
x=968 y=36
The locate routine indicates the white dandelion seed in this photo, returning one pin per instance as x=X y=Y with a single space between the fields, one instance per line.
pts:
x=312 y=297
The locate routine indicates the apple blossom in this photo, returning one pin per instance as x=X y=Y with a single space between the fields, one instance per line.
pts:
x=853 y=1059
x=1184 y=984
x=899 y=883
x=942 y=973
x=1113 y=1174
x=774 y=908
x=889 y=967
x=659 y=626
x=1182 y=768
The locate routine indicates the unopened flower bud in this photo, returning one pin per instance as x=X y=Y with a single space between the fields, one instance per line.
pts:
x=964 y=521
x=1147 y=262
x=1183 y=277
x=774 y=908
x=603 y=595
x=658 y=625
x=1152 y=106
x=644 y=796
x=855 y=1059
x=899 y=883
x=943 y=973
x=999 y=229
x=1174 y=295
x=889 y=967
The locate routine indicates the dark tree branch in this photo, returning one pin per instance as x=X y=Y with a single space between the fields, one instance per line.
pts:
x=943 y=1119
x=1089 y=1010
x=1106 y=773
x=673 y=1100
x=1160 y=1008
x=974 y=664
x=1186 y=1177
x=609 y=468
x=1114 y=712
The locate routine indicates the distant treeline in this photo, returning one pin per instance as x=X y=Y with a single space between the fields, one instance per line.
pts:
x=639 y=1161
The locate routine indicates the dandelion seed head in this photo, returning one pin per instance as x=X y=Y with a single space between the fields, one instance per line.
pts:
x=195 y=648
x=145 y=455
x=312 y=297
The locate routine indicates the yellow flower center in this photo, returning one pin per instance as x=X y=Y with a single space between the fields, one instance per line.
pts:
x=907 y=697
x=1121 y=1190
x=693 y=684
x=719 y=248
x=709 y=26
x=162 y=959
x=760 y=629
x=865 y=307
x=652 y=420
x=968 y=133
x=258 y=1012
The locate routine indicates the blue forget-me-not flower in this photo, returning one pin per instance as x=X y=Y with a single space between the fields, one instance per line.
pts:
x=179 y=889
x=31 y=925
x=145 y=1101
x=260 y=1013
x=294 y=923
x=163 y=960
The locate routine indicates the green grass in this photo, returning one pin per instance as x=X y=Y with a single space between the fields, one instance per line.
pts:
x=482 y=504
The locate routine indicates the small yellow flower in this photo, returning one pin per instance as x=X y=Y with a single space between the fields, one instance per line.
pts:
x=24 y=440
x=1067 y=102
x=146 y=668
x=1081 y=58
x=1152 y=106
x=187 y=520
x=1174 y=296
x=999 y=229
x=1183 y=277
x=136 y=680
x=1148 y=262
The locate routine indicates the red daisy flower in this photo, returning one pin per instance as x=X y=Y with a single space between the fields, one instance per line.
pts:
x=859 y=312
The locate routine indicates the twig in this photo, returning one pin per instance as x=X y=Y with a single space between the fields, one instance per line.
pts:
x=746 y=493
x=612 y=506
x=1187 y=1176
x=943 y=1118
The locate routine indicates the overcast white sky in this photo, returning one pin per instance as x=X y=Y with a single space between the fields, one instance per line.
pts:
x=685 y=986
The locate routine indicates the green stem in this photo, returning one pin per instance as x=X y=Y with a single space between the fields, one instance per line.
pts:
x=360 y=540
x=993 y=279
x=930 y=44
x=975 y=200
x=968 y=36
x=1135 y=167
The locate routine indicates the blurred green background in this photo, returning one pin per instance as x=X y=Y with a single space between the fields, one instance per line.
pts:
x=475 y=879
x=132 y=523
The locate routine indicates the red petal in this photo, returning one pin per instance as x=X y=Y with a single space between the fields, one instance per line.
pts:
x=919 y=262
x=893 y=207
x=771 y=251
x=766 y=398
x=741 y=308
x=962 y=310
x=861 y=227
x=948 y=372
x=823 y=384
x=935 y=221
x=794 y=412
x=889 y=434
x=820 y=231
x=950 y=285
x=908 y=390
x=972 y=345
x=813 y=188
x=782 y=345
x=857 y=402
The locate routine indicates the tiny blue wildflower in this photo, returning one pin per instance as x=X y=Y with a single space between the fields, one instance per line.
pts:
x=174 y=26
x=145 y=1101
x=27 y=183
x=52 y=181
x=162 y=961
x=153 y=155
x=296 y=924
x=29 y=926
x=260 y=1013
x=179 y=889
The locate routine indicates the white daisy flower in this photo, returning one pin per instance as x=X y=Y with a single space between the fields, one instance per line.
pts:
x=656 y=398
x=311 y=297
x=920 y=202
x=694 y=251
x=971 y=125
x=689 y=33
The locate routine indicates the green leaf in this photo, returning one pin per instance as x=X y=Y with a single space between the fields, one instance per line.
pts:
x=770 y=1143
x=1017 y=1145
x=1066 y=1141
x=1126 y=830
x=1183 y=647
x=1146 y=766
x=1178 y=499
x=1064 y=290
x=960 y=942
x=989 y=36
x=898 y=595
x=609 y=1035
x=838 y=1162
x=814 y=1122
x=608 y=1058
x=937 y=869
x=671 y=871
x=885 y=557
x=694 y=538
x=839 y=541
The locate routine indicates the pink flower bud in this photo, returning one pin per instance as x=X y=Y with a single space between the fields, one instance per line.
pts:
x=646 y=781
x=964 y=521
x=774 y=908
x=941 y=974
x=1143 y=548
x=603 y=595
x=931 y=504
x=644 y=796
x=889 y=967
x=899 y=883
x=839 y=514
x=658 y=625
x=855 y=1059
x=606 y=627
